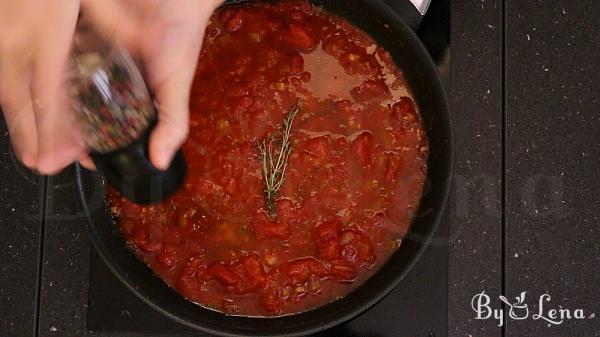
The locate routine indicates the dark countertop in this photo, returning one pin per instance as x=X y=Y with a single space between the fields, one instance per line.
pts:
x=21 y=235
x=552 y=151
x=475 y=207
x=525 y=207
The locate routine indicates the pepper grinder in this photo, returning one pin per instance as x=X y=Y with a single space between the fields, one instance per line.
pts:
x=117 y=115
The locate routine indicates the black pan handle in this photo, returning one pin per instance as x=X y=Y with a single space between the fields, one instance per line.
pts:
x=411 y=11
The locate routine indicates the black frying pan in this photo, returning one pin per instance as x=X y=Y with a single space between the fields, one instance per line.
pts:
x=395 y=35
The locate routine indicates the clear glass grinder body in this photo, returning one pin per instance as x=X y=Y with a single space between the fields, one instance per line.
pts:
x=116 y=115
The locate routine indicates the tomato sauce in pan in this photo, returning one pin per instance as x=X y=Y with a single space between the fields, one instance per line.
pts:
x=354 y=175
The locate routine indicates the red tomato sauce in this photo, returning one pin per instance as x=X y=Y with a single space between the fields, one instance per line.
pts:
x=353 y=181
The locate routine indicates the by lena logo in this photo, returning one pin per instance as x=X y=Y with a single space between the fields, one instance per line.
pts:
x=519 y=310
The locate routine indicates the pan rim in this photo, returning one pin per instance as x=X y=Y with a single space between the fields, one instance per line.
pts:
x=345 y=314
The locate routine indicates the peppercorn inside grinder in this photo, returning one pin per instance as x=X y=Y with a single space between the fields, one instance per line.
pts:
x=117 y=115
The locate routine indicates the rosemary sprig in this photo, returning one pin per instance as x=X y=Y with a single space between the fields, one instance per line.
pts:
x=274 y=152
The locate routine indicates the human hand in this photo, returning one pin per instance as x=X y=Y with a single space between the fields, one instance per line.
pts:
x=35 y=39
x=167 y=36
x=34 y=47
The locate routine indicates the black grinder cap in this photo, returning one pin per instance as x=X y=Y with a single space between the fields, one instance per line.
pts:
x=130 y=171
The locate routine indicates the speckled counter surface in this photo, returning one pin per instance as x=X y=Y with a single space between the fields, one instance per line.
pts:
x=475 y=204
x=552 y=150
x=524 y=212
x=21 y=204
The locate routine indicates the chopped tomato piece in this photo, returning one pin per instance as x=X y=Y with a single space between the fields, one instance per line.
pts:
x=327 y=240
x=344 y=106
x=297 y=65
x=328 y=230
x=297 y=15
x=191 y=273
x=244 y=103
x=270 y=57
x=318 y=147
x=335 y=45
x=329 y=250
x=272 y=300
x=235 y=22
x=405 y=111
x=357 y=248
x=301 y=38
x=362 y=149
x=285 y=210
x=299 y=271
x=253 y=273
x=167 y=258
x=393 y=165
x=265 y=228
x=223 y=274
x=371 y=90
x=142 y=240
x=342 y=271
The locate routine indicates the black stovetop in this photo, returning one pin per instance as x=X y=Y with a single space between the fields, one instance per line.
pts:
x=524 y=99
x=417 y=307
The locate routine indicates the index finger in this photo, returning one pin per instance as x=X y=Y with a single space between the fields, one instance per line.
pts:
x=59 y=142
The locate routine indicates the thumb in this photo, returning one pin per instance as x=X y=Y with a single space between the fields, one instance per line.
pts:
x=171 y=68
